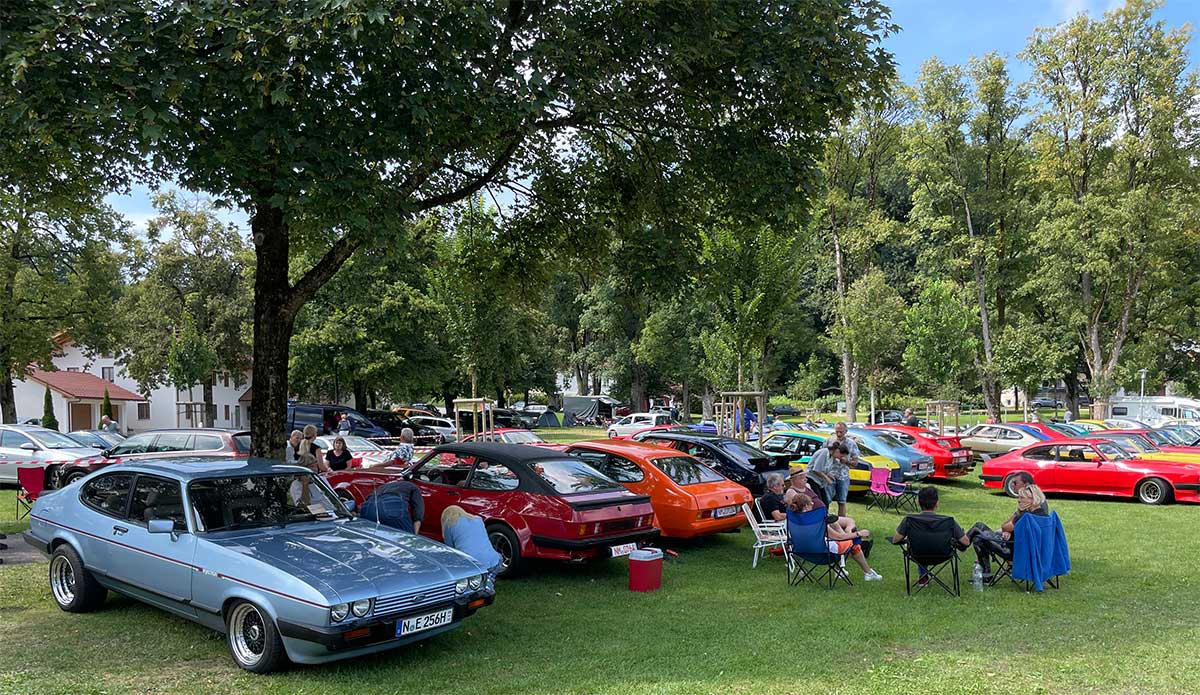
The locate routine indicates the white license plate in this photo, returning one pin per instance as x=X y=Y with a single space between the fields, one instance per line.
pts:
x=421 y=623
x=724 y=512
x=623 y=549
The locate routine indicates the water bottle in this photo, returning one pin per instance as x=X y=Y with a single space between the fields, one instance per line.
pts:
x=977 y=577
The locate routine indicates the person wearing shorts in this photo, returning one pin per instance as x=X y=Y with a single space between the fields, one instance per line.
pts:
x=828 y=466
x=841 y=542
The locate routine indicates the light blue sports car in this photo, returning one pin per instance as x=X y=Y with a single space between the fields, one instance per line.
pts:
x=265 y=553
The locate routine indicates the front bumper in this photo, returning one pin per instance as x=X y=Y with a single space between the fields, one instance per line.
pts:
x=374 y=633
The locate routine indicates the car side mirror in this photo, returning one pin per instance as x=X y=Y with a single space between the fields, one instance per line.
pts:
x=162 y=526
x=98 y=446
x=29 y=447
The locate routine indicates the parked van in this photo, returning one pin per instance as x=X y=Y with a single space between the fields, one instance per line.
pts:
x=325 y=419
x=1155 y=410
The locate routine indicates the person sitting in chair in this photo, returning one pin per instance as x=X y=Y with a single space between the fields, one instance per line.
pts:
x=771 y=503
x=802 y=486
x=927 y=499
x=841 y=542
x=988 y=543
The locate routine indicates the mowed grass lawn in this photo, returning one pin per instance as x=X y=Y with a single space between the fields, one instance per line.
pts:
x=1126 y=620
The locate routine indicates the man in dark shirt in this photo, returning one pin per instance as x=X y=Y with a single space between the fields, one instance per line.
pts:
x=771 y=502
x=927 y=498
x=397 y=504
x=910 y=420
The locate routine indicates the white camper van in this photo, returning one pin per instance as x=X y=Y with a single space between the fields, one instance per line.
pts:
x=1155 y=410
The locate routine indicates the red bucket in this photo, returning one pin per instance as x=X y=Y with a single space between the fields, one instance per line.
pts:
x=645 y=569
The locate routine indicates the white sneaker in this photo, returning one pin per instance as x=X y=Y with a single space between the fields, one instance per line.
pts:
x=873 y=576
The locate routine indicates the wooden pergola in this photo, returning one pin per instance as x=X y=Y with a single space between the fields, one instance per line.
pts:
x=728 y=412
x=942 y=410
x=483 y=411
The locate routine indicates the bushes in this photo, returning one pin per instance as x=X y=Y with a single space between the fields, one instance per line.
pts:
x=48 y=419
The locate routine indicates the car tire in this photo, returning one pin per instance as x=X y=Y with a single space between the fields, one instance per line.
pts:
x=1153 y=491
x=612 y=434
x=1010 y=482
x=254 y=641
x=74 y=588
x=505 y=542
x=71 y=477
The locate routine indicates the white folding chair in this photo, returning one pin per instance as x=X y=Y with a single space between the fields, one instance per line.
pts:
x=767 y=534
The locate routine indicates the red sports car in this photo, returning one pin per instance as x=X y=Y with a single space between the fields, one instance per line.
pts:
x=536 y=502
x=1042 y=427
x=1094 y=467
x=950 y=458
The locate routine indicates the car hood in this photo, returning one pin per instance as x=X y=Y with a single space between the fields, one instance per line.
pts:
x=1164 y=455
x=70 y=454
x=354 y=559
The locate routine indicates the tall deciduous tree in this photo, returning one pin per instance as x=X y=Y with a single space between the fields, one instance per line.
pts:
x=940 y=330
x=874 y=329
x=319 y=118
x=188 y=313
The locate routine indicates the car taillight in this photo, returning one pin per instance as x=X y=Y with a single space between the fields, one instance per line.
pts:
x=704 y=514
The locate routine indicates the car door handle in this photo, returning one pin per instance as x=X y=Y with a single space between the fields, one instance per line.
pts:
x=453 y=493
x=120 y=530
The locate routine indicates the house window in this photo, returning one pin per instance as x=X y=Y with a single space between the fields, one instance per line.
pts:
x=72 y=369
x=226 y=412
x=237 y=416
x=106 y=373
x=225 y=380
x=143 y=411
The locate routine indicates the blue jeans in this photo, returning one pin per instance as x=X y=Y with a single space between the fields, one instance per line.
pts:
x=841 y=489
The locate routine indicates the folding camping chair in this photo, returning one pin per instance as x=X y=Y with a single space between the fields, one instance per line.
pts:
x=886 y=493
x=767 y=535
x=1040 y=555
x=32 y=479
x=808 y=551
x=931 y=544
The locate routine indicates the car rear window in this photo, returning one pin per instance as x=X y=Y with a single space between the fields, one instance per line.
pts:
x=206 y=442
x=241 y=442
x=686 y=471
x=571 y=476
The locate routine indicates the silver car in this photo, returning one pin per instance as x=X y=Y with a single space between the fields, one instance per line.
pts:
x=441 y=425
x=33 y=444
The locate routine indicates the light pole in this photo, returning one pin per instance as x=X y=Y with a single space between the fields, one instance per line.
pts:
x=1142 y=397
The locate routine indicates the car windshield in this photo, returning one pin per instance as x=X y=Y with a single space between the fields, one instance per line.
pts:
x=687 y=471
x=357 y=444
x=523 y=437
x=1136 y=443
x=254 y=501
x=571 y=476
x=53 y=440
x=741 y=450
x=780 y=445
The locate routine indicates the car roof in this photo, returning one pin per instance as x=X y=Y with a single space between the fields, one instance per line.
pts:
x=197 y=467
x=627 y=447
x=194 y=430
x=680 y=435
x=497 y=451
x=28 y=428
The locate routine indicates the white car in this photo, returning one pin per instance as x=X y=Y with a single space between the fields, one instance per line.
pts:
x=370 y=452
x=632 y=424
x=441 y=425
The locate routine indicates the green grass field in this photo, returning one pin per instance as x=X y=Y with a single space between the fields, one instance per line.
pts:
x=1125 y=621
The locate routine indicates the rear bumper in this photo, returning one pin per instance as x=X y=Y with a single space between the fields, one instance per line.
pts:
x=311 y=643
x=36 y=543
x=704 y=527
x=992 y=481
x=584 y=545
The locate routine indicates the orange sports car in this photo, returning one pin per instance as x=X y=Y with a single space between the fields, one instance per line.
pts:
x=689 y=498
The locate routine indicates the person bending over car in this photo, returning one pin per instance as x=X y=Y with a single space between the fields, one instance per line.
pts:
x=998 y=544
x=840 y=541
x=465 y=532
x=397 y=504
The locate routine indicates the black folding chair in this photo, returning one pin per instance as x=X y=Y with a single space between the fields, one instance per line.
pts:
x=931 y=543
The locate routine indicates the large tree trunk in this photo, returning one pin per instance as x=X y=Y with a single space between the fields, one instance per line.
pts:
x=1071 y=402
x=210 y=408
x=582 y=380
x=8 y=399
x=987 y=372
x=597 y=387
x=706 y=403
x=360 y=395
x=685 y=412
x=448 y=399
x=637 y=392
x=272 y=333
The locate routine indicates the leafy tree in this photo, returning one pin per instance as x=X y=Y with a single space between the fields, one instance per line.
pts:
x=1115 y=145
x=188 y=313
x=318 y=119
x=939 y=330
x=874 y=329
x=809 y=378
x=48 y=419
x=1029 y=354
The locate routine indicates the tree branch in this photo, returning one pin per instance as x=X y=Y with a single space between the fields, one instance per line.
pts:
x=319 y=274
x=474 y=186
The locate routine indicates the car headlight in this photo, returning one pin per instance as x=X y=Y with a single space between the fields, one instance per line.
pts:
x=361 y=607
x=460 y=587
x=476 y=582
x=339 y=612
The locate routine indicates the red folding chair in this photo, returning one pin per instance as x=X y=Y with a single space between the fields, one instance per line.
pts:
x=32 y=479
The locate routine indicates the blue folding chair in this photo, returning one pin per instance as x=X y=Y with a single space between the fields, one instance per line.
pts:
x=808 y=551
x=1040 y=554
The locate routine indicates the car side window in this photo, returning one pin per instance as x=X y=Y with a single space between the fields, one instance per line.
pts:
x=13 y=440
x=206 y=442
x=446 y=469
x=1044 y=453
x=781 y=445
x=172 y=441
x=623 y=470
x=157 y=498
x=807 y=446
x=493 y=476
x=137 y=444
x=108 y=494
x=595 y=459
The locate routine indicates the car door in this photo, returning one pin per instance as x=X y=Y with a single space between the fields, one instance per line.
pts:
x=489 y=491
x=158 y=565
x=1041 y=462
x=103 y=517
x=441 y=480
x=11 y=453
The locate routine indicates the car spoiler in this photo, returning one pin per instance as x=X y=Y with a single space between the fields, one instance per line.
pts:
x=606 y=501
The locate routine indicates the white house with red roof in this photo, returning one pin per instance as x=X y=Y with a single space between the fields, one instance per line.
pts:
x=77 y=389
